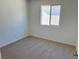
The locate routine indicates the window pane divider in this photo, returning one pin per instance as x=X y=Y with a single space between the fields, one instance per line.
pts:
x=50 y=15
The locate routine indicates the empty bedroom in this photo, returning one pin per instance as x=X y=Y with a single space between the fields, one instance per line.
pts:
x=38 y=29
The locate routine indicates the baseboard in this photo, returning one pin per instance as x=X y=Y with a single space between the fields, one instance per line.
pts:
x=51 y=40
x=11 y=42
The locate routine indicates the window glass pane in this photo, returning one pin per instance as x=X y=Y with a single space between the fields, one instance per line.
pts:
x=45 y=14
x=55 y=14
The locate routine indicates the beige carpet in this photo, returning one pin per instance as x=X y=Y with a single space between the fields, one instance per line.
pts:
x=0 y=53
x=36 y=48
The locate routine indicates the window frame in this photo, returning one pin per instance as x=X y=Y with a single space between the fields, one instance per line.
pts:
x=51 y=15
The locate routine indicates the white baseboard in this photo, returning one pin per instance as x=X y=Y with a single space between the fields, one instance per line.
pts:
x=10 y=42
x=53 y=40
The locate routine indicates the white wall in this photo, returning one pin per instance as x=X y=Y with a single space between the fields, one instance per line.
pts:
x=13 y=21
x=66 y=32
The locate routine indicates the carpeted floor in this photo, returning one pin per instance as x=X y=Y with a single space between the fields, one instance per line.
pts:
x=0 y=53
x=37 y=48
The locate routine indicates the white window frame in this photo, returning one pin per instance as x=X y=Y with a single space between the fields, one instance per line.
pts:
x=50 y=19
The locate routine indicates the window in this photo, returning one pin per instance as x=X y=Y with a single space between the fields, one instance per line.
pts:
x=50 y=15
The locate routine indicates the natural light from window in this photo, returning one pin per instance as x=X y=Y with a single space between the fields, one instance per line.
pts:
x=50 y=15
x=45 y=15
